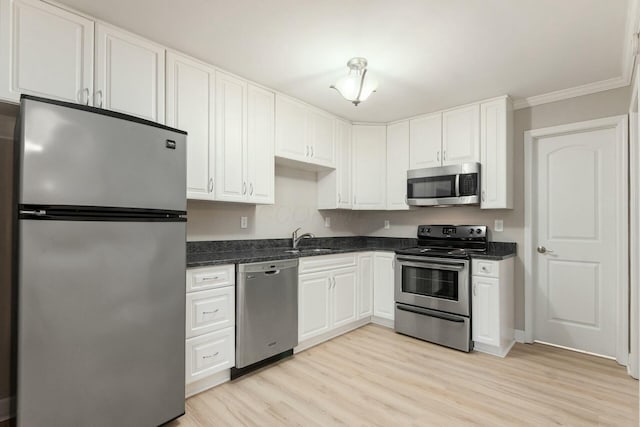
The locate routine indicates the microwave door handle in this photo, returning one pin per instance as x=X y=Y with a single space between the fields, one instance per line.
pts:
x=448 y=267
x=457 y=185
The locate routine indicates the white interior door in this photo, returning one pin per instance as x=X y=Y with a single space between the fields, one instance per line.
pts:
x=578 y=245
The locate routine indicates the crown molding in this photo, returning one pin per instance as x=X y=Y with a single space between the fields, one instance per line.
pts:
x=571 y=92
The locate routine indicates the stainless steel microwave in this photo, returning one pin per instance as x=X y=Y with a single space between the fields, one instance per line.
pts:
x=445 y=185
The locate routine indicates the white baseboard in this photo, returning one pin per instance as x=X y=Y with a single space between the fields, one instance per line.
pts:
x=382 y=321
x=495 y=351
x=519 y=335
x=331 y=334
x=207 y=383
x=6 y=408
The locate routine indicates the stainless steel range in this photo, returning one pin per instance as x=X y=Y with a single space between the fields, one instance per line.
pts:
x=432 y=284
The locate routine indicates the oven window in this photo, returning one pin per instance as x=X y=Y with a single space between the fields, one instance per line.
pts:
x=430 y=282
x=432 y=187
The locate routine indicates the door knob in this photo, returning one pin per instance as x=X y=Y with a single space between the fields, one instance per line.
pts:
x=543 y=250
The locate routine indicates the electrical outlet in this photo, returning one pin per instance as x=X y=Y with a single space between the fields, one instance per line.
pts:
x=387 y=224
x=498 y=225
x=327 y=222
x=243 y=222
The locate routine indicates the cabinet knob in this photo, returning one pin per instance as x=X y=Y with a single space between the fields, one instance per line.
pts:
x=251 y=189
x=210 y=185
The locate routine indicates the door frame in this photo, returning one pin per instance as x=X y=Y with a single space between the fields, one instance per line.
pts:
x=620 y=124
x=633 y=366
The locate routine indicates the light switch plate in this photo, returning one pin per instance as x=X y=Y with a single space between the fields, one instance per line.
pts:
x=498 y=225
x=243 y=222
x=387 y=224
x=327 y=222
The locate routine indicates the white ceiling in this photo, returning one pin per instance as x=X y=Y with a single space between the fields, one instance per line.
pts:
x=426 y=54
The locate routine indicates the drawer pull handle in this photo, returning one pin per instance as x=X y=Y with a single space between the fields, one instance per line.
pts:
x=210 y=278
x=210 y=356
x=211 y=312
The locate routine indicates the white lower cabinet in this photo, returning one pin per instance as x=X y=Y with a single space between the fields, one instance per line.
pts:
x=383 y=285
x=365 y=285
x=326 y=300
x=492 y=308
x=313 y=305
x=210 y=327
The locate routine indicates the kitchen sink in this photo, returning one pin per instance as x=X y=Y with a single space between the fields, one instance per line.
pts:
x=308 y=251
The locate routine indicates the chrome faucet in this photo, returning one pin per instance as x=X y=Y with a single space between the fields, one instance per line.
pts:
x=295 y=239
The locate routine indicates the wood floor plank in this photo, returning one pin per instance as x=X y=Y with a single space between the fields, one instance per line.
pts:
x=375 y=377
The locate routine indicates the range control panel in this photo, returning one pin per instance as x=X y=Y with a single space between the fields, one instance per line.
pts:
x=454 y=232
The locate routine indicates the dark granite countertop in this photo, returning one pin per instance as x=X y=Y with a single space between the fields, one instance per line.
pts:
x=200 y=254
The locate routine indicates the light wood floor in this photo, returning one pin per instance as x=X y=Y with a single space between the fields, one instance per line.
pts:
x=373 y=376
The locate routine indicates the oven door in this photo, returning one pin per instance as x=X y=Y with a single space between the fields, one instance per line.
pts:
x=436 y=283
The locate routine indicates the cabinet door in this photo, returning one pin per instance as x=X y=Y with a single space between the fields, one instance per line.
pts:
x=365 y=285
x=345 y=296
x=369 y=167
x=397 y=165
x=129 y=74
x=291 y=129
x=343 y=169
x=425 y=141
x=322 y=145
x=260 y=145
x=230 y=182
x=461 y=135
x=383 y=283
x=496 y=155
x=486 y=308
x=190 y=107
x=46 y=51
x=313 y=305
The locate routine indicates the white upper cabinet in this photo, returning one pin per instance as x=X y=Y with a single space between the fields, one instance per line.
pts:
x=334 y=186
x=231 y=184
x=244 y=142
x=129 y=75
x=425 y=141
x=397 y=165
x=369 y=166
x=260 y=145
x=45 y=51
x=322 y=144
x=291 y=129
x=461 y=135
x=190 y=107
x=496 y=154
x=303 y=134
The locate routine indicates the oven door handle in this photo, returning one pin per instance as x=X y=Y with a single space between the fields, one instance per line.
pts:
x=448 y=267
x=457 y=185
x=430 y=313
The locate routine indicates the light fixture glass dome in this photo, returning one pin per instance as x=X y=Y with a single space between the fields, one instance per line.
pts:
x=358 y=85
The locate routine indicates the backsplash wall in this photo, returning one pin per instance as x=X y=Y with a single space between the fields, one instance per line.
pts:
x=295 y=206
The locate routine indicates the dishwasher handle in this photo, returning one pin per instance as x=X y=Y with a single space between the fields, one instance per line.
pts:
x=271 y=272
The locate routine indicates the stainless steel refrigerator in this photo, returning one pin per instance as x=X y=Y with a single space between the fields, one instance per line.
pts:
x=100 y=200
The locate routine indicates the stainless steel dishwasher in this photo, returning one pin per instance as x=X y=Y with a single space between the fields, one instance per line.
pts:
x=267 y=313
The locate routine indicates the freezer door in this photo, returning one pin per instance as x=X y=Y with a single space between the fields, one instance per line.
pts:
x=72 y=156
x=101 y=323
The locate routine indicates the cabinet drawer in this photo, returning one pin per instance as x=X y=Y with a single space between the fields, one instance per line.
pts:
x=209 y=354
x=482 y=267
x=199 y=279
x=326 y=262
x=210 y=310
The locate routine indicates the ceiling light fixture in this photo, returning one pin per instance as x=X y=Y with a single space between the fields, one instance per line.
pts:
x=354 y=87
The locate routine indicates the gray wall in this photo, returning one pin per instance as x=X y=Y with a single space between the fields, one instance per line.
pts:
x=403 y=224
